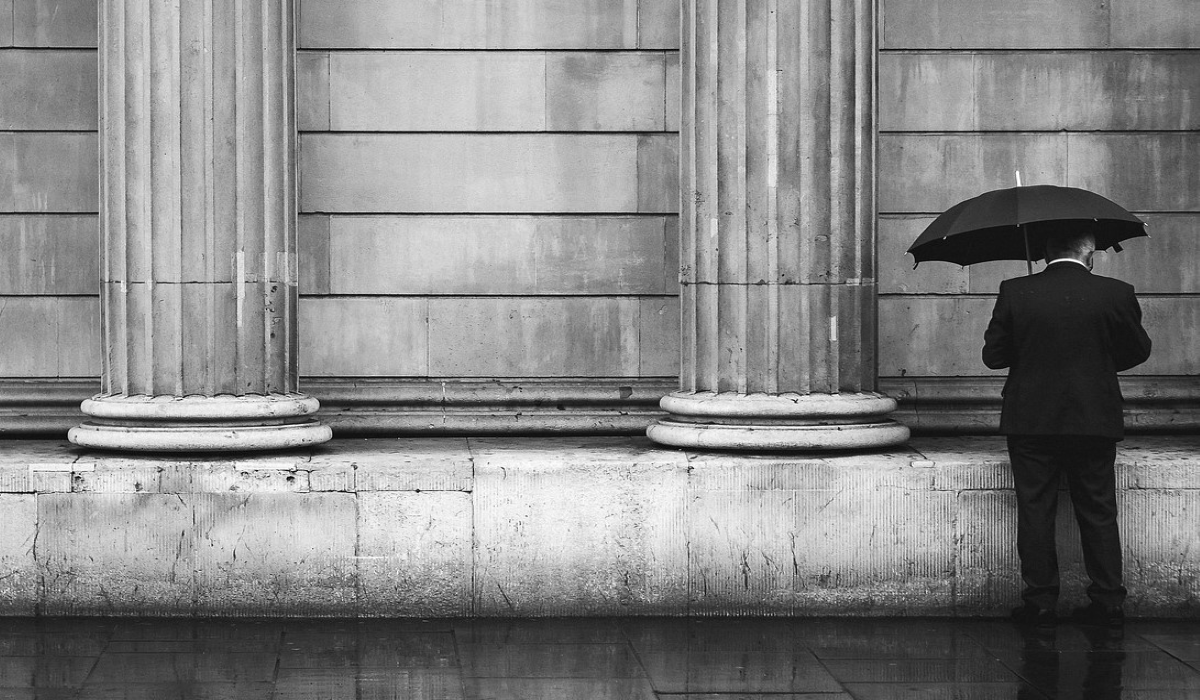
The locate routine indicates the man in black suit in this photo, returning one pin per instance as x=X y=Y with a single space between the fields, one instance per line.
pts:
x=1064 y=333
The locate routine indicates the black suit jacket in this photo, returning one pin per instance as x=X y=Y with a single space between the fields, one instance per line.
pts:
x=1064 y=333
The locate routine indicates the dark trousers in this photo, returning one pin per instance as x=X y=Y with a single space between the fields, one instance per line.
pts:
x=1087 y=462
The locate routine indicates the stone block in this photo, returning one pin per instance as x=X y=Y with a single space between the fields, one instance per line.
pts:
x=78 y=336
x=1162 y=567
x=115 y=554
x=534 y=337
x=467 y=24
x=988 y=571
x=313 y=243
x=658 y=24
x=979 y=24
x=402 y=464
x=1165 y=24
x=605 y=91
x=49 y=172
x=55 y=23
x=49 y=255
x=895 y=266
x=816 y=536
x=1173 y=323
x=414 y=553
x=674 y=92
x=363 y=337
x=585 y=526
x=49 y=336
x=933 y=336
x=312 y=91
x=6 y=22
x=658 y=173
x=18 y=570
x=923 y=173
x=514 y=255
x=1161 y=263
x=1141 y=172
x=658 y=319
x=927 y=92
x=458 y=91
x=275 y=553
x=1117 y=90
x=485 y=173
x=48 y=90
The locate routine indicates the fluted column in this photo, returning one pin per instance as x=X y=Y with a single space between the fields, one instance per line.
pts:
x=777 y=229
x=198 y=220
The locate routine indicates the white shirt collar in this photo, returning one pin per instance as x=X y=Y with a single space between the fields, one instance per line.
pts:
x=1058 y=260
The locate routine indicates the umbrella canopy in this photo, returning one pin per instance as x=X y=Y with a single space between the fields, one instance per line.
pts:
x=1013 y=224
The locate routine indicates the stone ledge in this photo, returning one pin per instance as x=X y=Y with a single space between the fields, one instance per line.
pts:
x=559 y=526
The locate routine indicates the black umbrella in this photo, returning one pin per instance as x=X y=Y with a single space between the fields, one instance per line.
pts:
x=1013 y=224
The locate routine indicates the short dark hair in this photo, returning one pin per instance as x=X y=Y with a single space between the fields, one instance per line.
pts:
x=1075 y=241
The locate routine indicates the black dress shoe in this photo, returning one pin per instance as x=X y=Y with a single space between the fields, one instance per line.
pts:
x=1030 y=614
x=1099 y=615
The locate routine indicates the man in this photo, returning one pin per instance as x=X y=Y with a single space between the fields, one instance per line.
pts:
x=1064 y=333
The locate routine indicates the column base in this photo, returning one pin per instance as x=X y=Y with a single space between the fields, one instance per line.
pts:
x=778 y=421
x=200 y=423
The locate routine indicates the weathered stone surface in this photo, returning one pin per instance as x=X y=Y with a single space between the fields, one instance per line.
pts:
x=18 y=569
x=606 y=91
x=48 y=172
x=988 y=572
x=313 y=252
x=1161 y=567
x=49 y=255
x=927 y=91
x=1155 y=24
x=1143 y=172
x=48 y=90
x=971 y=24
x=6 y=22
x=896 y=273
x=466 y=24
x=1172 y=237
x=115 y=554
x=1038 y=91
x=514 y=255
x=534 y=336
x=932 y=172
x=614 y=545
x=659 y=339
x=363 y=337
x=49 y=336
x=54 y=23
x=932 y=336
x=275 y=553
x=402 y=464
x=414 y=553
x=312 y=91
x=524 y=173
x=658 y=24
x=459 y=91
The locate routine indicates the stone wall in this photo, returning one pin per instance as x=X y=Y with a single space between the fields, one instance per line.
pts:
x=488 y=197
x=551 y=527
x=1102 y=96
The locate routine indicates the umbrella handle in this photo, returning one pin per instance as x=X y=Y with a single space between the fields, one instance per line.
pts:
x=1028 y=258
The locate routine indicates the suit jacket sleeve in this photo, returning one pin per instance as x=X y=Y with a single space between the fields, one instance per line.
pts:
x=1131 y=342
x=997 y=340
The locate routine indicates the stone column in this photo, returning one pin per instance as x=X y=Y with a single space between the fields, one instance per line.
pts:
x=198 y=221
x=777 y=229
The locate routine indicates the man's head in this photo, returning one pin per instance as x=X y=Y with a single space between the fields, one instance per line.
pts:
x=1076 y=244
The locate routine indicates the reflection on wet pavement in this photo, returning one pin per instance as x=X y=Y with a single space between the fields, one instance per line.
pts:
x=592 y=659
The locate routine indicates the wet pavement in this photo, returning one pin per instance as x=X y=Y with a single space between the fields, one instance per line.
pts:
x=592 y=659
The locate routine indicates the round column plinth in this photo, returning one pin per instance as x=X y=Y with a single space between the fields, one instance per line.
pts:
x=200 y=423
x=733 y=421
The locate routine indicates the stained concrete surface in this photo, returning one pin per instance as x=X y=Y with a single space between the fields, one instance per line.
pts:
x=592 y=659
